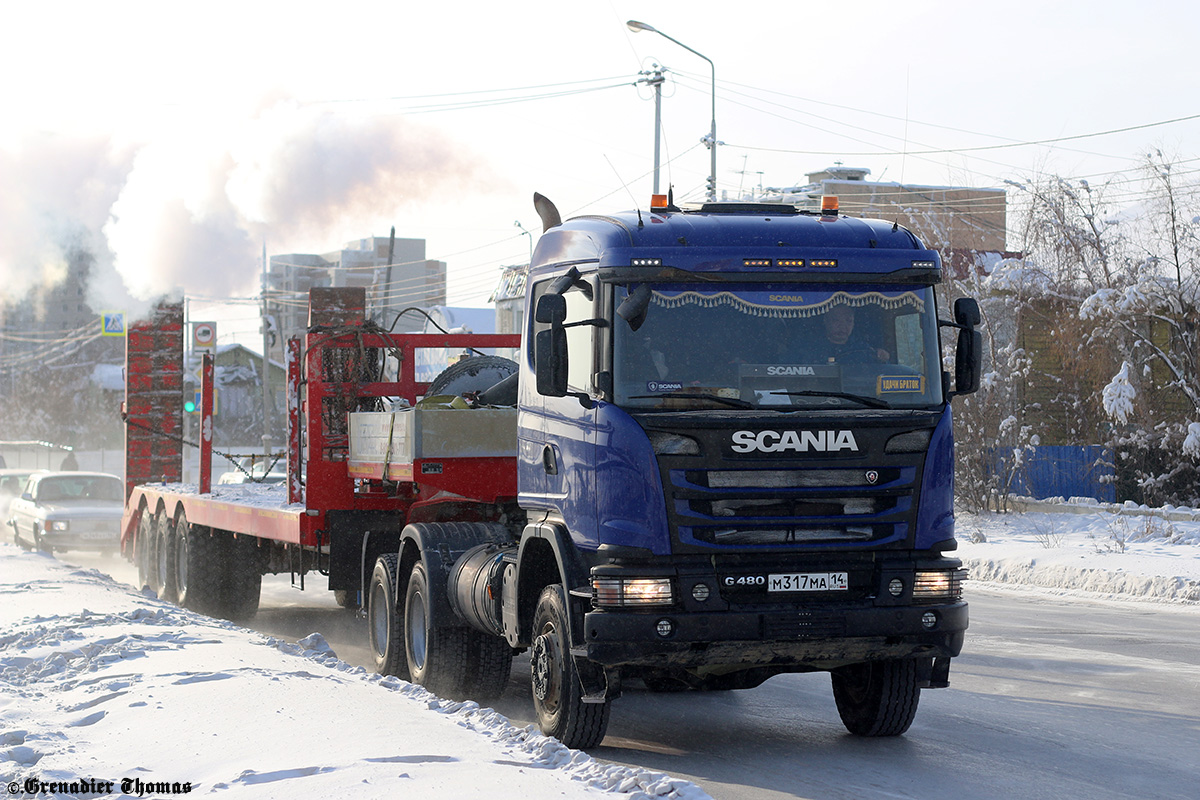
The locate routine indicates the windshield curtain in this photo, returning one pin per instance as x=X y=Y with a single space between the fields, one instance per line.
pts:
x=780 y=347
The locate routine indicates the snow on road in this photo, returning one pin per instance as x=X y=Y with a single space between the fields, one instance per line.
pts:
x=106 y=690
x=104 y=685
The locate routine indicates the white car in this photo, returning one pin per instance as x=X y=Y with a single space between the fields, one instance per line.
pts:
x=69 y=511
x=12 y=483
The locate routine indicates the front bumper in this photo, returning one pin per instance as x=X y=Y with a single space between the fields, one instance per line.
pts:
x=815 y=636
x=82 y=540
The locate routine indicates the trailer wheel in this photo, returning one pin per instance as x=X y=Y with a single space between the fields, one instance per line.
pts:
x=436 y=653
x=877 y=698
x=473 y=374
x=242 y=587
x=557 y=693
x=163 y=583
x=385 y=619
x=197 y=567
x=144 y=550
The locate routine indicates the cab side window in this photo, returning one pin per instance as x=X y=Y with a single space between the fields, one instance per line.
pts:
x=581 y=339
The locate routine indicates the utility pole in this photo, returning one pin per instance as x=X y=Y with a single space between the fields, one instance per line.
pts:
x=654 y=77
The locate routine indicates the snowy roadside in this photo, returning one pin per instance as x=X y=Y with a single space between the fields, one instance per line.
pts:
x=104 y=685
x=1111 y=551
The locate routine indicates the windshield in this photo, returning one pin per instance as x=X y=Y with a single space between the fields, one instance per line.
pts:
x=780 y=347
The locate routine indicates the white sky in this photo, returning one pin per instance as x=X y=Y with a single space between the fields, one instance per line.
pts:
x=208 y=129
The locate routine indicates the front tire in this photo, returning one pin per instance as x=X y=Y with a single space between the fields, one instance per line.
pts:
x=877 y=698
x=557 y=693
x=385 y=619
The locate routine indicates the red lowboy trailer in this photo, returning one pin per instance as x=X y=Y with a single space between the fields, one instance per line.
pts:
x=207 y=547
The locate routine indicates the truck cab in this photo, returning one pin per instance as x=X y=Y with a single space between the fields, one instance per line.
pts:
x=735 y=450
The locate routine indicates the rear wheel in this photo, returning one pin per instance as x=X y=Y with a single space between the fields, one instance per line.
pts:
x=145 y=551
x=557 y=693
x=436 y=653
x=385 y=619
x=489 y=665
x=242 y=585
x=877 y=698
x=163 y=583
x=197 y=567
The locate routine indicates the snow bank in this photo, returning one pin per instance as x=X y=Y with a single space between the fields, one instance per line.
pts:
x=103 y=684
x=1128 y=552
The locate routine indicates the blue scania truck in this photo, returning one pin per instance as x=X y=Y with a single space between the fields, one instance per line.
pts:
x=734 y=459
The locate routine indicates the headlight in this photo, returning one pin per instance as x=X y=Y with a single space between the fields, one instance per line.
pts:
x=57 y=525
x=911 y=442
x=619 y=592
x=673 y=444
x=941 y=584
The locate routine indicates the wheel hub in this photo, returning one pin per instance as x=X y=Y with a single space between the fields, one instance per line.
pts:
x=543 y=665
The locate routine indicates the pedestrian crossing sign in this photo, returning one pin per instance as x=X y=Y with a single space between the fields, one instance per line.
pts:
x=112 y=323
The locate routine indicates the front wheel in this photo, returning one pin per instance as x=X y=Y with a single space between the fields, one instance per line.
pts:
x=557 y=693
x=877 y=698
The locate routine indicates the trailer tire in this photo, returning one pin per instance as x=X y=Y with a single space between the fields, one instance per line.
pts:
x=198 y=571
x=436 y=653
x=471 y=375
x=385 y=619
x=242 y=587
x=557 y=692
x=144 y=550
x=164 y=558
x=877 y=698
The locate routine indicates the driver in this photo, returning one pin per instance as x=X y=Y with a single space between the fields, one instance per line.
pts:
x=840 y=345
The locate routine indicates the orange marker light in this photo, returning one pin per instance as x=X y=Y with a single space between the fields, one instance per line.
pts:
x=658 y=201
x=829 y=204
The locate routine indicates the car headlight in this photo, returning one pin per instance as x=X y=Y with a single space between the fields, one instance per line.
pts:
x=57 y=525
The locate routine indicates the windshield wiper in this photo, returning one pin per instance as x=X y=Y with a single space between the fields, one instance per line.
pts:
x=869 y=402
x=736 y=402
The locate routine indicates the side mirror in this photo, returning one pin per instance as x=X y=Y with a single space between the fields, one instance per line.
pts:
x=634 y=307
x=26 y=496
x=966 y=312
x=968 y=361
x=550 y=358
x=551 y=309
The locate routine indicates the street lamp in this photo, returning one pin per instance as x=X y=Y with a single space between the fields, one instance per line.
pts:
x=711 y=141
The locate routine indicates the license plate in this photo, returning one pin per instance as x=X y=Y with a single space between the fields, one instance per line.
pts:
x=97 y=535
x=808 y=582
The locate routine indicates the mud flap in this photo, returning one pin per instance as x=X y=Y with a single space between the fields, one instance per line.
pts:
x=599 y=685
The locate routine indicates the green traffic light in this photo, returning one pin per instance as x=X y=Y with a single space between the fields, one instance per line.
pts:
x=189 y=406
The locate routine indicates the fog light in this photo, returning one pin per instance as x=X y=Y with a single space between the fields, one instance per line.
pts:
x=664 y=628
x=929 y=619
x=700 y=592
x=896 y=587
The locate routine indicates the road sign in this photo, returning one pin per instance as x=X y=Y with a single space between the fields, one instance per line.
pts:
x=112 y=323
x=204 y=335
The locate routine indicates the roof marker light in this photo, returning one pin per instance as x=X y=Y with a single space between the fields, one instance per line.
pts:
x=756 y=262
x=789 y=262
x=829 y=204
x=658 y=201
x=822 y=262
x=645 y=262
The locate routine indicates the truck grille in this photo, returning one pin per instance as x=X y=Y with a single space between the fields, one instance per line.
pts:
x=755 y=507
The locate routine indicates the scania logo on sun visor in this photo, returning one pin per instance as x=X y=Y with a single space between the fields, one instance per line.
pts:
x=793 y=442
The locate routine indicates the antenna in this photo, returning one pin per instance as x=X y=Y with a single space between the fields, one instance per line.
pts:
x=626 y=187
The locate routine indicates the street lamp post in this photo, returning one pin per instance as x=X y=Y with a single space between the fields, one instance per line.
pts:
x=711 y=141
